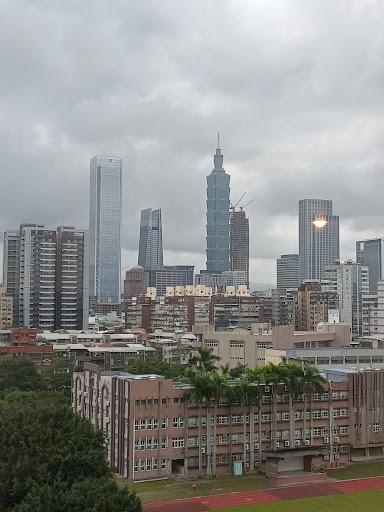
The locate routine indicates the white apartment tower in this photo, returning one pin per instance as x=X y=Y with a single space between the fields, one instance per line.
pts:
x=351 y=282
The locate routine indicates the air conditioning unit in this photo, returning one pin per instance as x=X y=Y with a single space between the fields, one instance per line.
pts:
x=256 y=446
x=337 y=456
x=266 y=389
x=203 y=450
x=326 y=457
x=297 y=442
x=247 y=446
x=277 y=444
x=307 y=442
x=286 y=443
x=336 y=439
x=326 y=440
x=286 y=389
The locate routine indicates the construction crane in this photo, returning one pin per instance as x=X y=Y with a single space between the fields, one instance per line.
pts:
x=233 y=206
x=245 y=205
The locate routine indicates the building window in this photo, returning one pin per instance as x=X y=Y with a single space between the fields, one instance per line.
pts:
x=178 y=442
x=178 y=422
x=164 y=423
x=376 y=427
x=192 y=421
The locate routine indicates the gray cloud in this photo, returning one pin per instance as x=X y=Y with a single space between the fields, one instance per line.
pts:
x=296 y=89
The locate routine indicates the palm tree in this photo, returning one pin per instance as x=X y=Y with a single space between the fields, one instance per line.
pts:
x=241 y=393
x=219 y=387
x=255 y=376
x=238 y=372
x=312 y=383
x=273 y=377
x=205 y=360
x=197 y=394
x=292 y=378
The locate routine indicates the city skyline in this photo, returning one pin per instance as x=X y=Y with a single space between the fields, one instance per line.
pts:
x=291 y=129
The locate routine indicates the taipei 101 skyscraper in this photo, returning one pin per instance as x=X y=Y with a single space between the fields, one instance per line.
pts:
x=218 y=216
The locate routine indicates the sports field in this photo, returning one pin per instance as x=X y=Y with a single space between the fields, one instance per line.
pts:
x=372 y=501
x=343 y=495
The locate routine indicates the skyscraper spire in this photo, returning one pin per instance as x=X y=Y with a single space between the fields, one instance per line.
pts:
x=218 y=158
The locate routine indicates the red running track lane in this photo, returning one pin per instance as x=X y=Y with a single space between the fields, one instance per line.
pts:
x=235 y=499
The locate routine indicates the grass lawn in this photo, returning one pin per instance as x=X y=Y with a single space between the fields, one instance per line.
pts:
x=163 y=490
x=360 y=502
x=357 y=470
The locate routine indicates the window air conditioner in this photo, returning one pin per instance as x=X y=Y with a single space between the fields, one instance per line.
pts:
x=286 y=443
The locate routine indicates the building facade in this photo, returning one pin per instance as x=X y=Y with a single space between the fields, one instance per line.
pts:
x=6 y=309
x=218 y=216
x=219 y=282
x=239 y=242
x=318 y=237
x=350 y=281
x=72 y=278
x=370 y=253
x=11 y=269
x=287 y=270
x=151 y=240
x=50 y=284
x=170 y=276
x=153 y=430
x=105 y=207
x=136 y=282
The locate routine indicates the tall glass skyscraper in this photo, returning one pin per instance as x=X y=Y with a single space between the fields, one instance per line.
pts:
x=318 y=237
x=104 y=228
x=218 y=216
x=151 y=240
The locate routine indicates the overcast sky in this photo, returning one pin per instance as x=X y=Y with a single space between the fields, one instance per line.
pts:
x=295 y=88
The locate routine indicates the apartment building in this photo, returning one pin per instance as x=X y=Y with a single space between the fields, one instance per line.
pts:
x=164 y=433
x=46 y=273
x=6 y=309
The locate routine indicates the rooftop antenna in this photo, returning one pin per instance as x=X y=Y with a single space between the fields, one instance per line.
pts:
x=218 y=140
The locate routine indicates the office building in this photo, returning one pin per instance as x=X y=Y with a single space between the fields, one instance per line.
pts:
x=218 y=216
x=288 y=275
x=318 y=237
x=151 y=240
x=219 y=282
x=370 y=253
x=166 y=433
x=135 y=283
x=6 y=309
x=49 y=283
x=105 y=208
x=170 y=275
x=239 y=242
x=350 y=281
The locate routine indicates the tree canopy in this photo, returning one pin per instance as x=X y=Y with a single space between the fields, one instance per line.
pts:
x=51 y=460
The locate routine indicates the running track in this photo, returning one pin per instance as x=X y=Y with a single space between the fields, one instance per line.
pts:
x=234 y=499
